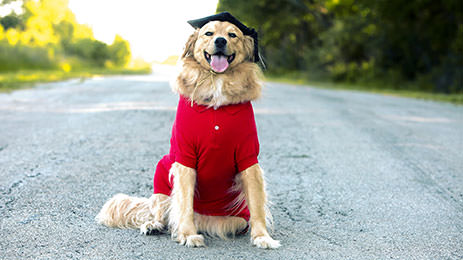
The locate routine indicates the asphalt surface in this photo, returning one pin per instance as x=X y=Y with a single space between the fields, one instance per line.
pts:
x=351 y=175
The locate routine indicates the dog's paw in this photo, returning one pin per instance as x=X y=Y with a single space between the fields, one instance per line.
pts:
x=191 y=240
x=266 y=242
x=152 y=228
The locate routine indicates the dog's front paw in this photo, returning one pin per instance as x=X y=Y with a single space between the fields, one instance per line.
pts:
x=191 y=240
x=266 y=242
x=152 y=228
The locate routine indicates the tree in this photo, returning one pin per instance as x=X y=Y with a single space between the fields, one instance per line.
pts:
x=47 y=35
x=12 y=21
x=119 y=51
x=361 y=40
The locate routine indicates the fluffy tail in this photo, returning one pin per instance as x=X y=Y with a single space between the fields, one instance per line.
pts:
x=123 y=211
x=151 y=214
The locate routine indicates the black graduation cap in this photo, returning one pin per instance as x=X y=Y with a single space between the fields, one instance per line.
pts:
x=227 y=17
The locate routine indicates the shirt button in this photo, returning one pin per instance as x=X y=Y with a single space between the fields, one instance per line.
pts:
x=216 y=127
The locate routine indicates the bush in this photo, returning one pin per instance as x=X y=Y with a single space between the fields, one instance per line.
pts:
x=95 y=51
x=18 y=57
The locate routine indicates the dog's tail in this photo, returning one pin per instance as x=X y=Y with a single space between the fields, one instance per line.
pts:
x=124 y=211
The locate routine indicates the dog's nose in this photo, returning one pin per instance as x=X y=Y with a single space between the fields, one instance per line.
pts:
x=220 y=42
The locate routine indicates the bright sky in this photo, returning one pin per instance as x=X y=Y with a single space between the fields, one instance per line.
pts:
x=6 y=9
x=155 y=29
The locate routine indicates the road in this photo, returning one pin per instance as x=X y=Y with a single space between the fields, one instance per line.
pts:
x=351 y=175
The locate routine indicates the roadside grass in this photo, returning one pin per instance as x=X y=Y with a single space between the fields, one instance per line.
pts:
x=10 y=81
x=374 y=88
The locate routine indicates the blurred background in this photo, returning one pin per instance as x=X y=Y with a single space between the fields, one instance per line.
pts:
x=403 y=46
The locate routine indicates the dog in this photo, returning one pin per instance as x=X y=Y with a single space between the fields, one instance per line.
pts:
x=210 y=182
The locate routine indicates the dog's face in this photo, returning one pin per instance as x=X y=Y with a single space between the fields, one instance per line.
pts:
x=219 y=46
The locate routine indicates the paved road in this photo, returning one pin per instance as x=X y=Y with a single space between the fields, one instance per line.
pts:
x=351 y=175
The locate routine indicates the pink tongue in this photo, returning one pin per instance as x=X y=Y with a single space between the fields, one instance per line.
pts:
x=219 y=63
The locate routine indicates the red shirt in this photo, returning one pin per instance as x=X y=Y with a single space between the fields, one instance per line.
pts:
x=218 y=143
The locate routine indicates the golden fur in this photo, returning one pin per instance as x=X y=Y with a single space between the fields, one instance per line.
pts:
x=240 y=82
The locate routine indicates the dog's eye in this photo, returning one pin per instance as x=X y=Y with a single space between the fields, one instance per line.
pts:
x=209 y=33
x=232 y=35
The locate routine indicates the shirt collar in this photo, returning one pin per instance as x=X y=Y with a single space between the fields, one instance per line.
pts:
x=231 y=109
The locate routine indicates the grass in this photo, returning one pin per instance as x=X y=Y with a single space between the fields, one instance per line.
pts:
x=374 y=88
x=10 y=81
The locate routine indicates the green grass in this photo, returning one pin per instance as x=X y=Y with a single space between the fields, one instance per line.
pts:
x=10 y=81
x=374 y=88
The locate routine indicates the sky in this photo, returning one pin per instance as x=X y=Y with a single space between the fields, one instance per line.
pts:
x=6 y=9
x=155 y=29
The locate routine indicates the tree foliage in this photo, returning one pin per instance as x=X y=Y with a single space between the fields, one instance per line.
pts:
x=119 y=51
x=12 y=21
x=46 y=35
x=392 y=41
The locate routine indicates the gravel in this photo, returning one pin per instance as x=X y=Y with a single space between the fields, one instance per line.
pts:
x=351 y=175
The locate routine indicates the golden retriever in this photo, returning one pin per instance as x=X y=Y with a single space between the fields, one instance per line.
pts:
x=218 y=71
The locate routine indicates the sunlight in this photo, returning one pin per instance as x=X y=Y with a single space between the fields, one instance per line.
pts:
x=155 y=29
x=14 y=6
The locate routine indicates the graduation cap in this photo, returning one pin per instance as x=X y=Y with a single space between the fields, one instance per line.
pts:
x=227 y=17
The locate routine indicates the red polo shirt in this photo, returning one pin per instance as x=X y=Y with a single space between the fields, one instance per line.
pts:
x=218 y=143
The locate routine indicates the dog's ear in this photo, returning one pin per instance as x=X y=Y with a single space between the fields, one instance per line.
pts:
x=249 y=47
x=190 y=45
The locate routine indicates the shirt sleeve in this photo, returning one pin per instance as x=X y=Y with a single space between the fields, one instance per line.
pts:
x=247 y=152
x=185 y=151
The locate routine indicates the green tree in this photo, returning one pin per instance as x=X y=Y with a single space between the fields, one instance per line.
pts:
x=95 y=51
x=12 y=21
x=119 y=51
x=65 y=32
x=287 y=29
x=47 y=35
x=389 y=41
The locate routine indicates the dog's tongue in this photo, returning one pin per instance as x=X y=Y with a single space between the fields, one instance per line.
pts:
x=219 y=63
